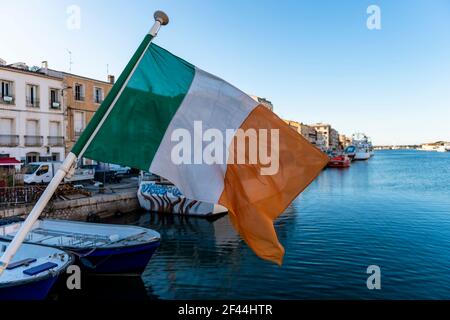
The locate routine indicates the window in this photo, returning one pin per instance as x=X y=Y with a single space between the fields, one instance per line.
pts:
x=78 y=123
x=54 y=138
x=32 y=157
x=42 y=170
x=54 y=99
x=32 y=137
x=8 y=138
x=32 y=127
x=79 y=92
x=32 y=96
x=54 y=128
x=98 y=95
x=6 y=92
x=55 y=157
x=6 y=126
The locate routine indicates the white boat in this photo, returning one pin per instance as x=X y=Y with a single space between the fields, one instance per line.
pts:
x=364 y=149
x=99 y=248
x=350 y=151
x=32 y=272
x=164 y=197
x=443 y=148
x=438 y=146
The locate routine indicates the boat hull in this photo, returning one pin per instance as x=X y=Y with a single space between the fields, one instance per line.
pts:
x=443 y=149
x=167 y=198
x=97 y=248
x=36 y=290
x=339 y=162
x=362 y=156
x=126 y=260
x=32 y=272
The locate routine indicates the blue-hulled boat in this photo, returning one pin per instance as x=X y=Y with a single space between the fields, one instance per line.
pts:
x=32 y=272
x=98 y=248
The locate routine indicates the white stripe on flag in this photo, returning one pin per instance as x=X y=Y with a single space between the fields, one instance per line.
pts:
x=218 y=105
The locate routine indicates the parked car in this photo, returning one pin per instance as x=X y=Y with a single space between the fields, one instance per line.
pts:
x=118 y=169
x=43 y=172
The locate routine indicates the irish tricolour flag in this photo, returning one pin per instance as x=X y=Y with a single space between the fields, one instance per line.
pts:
x=213 y=141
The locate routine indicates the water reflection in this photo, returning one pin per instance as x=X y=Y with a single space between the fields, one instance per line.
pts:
x=392 y=211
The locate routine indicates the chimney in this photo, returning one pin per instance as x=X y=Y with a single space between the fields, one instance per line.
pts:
x=111 y=79
x=44 y=67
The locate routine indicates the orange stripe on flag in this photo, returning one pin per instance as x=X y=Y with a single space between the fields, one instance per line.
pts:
x=255 y=200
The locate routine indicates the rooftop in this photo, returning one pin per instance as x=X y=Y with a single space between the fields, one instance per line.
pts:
x=43 y=72
x=320 y=124
x=34 y=73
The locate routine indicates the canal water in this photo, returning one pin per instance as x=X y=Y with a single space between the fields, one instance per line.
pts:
x=392 y=211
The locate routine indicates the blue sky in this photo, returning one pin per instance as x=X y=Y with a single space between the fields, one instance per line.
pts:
x=315 y=60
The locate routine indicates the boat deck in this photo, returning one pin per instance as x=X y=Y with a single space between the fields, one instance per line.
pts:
x=71 y=234
x=40 y=256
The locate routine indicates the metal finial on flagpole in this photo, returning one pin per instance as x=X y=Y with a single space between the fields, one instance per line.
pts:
x=161 y=19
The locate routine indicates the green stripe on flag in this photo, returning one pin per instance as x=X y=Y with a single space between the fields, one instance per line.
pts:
x=137 y=123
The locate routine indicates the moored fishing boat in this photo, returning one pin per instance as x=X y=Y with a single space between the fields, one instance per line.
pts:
x=98 y=248
x=350 y=152
x=362 y=154
x=341 y=161
x=363 y=146
x=32 y=272
x=164 y=197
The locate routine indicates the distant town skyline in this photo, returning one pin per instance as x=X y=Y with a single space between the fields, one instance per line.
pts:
x=315 y=61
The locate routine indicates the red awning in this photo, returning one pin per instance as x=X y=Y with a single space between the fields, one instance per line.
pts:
x=9 y=162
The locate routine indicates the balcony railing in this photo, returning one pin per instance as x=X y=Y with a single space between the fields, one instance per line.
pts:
x=32 y=102
x=9 y=99
x=7 y=140
x=33 y=141
x=55 y=141
x=78 y=133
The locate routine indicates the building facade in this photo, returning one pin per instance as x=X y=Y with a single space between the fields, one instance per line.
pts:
x=294 y=125
x=263 y=101
x=82 y=97
x=308 y=132
x=329 y=137
x=32 y=122
x=344 y=141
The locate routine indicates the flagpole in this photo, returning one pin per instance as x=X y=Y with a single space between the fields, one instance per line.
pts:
x=161 y=19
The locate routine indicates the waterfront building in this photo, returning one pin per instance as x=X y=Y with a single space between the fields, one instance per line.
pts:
x=344 y=141
x=321 y=141
x=31 y=114
x=294 y=125
x=44 y=111
x=308 y=132
x=329 y=136
x=82 y=96
x=263 y=101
